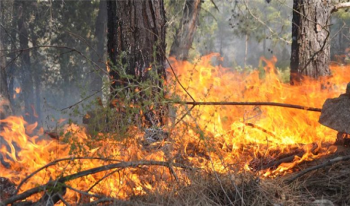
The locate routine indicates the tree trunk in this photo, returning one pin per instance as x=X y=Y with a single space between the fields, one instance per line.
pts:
x=310 y=55
x=112 y=43
x=99 y=56
x=185 y=33
x=136 y=46
x=38 y=70
x=26 y=74
x=5 y=107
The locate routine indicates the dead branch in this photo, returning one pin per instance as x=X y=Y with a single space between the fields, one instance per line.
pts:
x=41 y=188
x=57 y=161
x=104 y=177
x=275 y=104
x=327 y=163
x=340 y=6
x=177 y=79
x=260 y=128
x=287 y=158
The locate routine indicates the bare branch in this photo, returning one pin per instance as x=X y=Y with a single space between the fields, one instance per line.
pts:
x=275 y=104
x=55 y=162
x=336 y=7
x=41 y=188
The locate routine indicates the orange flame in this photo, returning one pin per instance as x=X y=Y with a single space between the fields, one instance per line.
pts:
x=225 y=138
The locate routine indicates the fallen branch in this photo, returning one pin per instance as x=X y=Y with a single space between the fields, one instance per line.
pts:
x=57 y=161
x=275 y=104
x=329 y=162
x=288 y=158
x=41 y=188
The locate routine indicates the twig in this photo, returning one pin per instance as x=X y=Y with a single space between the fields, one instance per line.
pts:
x=38 y=189
x=82 y=192
x=216 y=7
x=177 y=79
x=63 y=200
x=264 y=24
x=260 y=128
x=104 y=177
x=329 y=162
x=55 y=162
x=58 y=47
x=275 y=104
x=314 y=54
x=81 y=100
x=183 y=116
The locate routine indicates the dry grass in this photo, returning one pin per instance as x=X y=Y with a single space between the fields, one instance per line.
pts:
x=205 y=189
x=332 y=183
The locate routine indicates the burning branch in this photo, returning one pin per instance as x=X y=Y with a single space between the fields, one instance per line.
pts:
x=275 y=104
x=57 y=161
x=61 y=180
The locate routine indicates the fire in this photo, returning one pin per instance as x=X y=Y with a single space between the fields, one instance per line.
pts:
x=214 y=138
x=249 y=136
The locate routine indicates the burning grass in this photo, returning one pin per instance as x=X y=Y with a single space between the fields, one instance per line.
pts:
x=215 y=155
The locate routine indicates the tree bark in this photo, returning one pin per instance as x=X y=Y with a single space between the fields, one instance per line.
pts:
x=26 y=74
x=185 y=33
x=112 y=43
x=5 y=107
x=5 y=15
x=310 y=54
x=38 y=70
x=99 y=56
x=138 y=42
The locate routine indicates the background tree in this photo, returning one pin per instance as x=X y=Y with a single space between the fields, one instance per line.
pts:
x=26 y=70
x=310 y=55
x=5 y=107
x=185 y=33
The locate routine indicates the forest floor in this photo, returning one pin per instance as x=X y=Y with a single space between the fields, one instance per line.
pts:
x=326 y=186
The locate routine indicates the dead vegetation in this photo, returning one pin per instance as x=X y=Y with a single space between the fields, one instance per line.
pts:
x=329 y=183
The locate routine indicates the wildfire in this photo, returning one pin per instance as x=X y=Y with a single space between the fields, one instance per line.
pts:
x=214 y=138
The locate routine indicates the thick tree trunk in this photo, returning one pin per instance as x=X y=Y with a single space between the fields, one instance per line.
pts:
x=310 y=55
x=185 y=33
x=141 y=35
x=136 y=48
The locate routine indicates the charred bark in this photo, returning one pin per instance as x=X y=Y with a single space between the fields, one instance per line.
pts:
x=112 y=42
x=310 y=55
x=185 y=33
